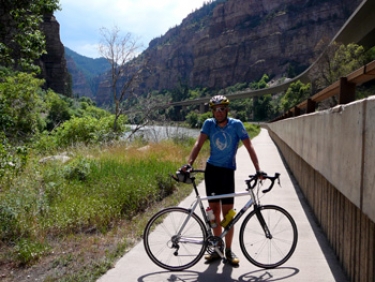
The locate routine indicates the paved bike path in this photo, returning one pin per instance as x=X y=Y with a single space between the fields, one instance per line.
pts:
x=313 y=259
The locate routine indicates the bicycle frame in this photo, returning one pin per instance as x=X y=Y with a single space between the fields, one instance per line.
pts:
x=199 y=202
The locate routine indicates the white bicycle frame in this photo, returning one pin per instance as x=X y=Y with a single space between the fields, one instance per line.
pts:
x=199 y=201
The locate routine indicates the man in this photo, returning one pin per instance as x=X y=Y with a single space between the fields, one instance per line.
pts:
x=224 y=135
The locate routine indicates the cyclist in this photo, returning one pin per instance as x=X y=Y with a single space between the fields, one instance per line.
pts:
x=224 y=134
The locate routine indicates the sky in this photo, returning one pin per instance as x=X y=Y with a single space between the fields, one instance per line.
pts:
x=81 y=20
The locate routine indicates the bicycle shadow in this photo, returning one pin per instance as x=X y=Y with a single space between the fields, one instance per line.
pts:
x=213 y=273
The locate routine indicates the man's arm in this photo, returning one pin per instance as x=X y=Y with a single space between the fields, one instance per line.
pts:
x=197 y=147
x=253 y=156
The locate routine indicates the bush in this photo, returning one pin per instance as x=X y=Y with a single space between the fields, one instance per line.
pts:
x=86 y=130
x=78 y=169
x=21 y=106
x=59 y=110
x=28 y=251
x=196 y=120
x=12 y=158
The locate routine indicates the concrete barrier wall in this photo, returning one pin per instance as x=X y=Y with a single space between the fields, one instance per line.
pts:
x=340 y=145
x=369 y=161
x=332 y=156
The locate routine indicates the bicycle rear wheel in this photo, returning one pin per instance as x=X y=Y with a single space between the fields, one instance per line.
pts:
x=169 y=249
x=274 y=250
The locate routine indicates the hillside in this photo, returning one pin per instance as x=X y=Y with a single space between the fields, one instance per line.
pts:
x=240 y=40
x=85 y=72
x=237 y=41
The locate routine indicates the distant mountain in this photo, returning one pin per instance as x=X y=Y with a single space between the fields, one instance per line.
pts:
x=85 y=72
x=227 y=42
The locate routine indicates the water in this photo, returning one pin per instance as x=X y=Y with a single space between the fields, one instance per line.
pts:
x=157 y=133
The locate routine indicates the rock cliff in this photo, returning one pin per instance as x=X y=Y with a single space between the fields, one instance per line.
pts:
x=224 y=43
x=53 y=64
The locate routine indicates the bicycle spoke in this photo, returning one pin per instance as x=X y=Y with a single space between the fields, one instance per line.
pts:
x=169 y=249
x=268 y=252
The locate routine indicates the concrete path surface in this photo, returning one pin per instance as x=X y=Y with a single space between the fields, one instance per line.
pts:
x=313 y=259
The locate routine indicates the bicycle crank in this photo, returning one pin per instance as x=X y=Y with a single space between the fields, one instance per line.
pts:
x=214 y=243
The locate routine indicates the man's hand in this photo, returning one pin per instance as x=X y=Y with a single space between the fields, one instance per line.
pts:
x=260 y=174
x=186 y=168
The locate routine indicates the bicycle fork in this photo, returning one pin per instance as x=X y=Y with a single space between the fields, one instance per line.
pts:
x=262 y=222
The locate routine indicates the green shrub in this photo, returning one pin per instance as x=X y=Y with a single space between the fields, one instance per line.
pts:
x=9 y=228
x=85 y=130
x=196 y=120
x=28 y=251
x=21 y=105
x=252 y=129
x=78 y=169
x=58 y=110
x=12 y=158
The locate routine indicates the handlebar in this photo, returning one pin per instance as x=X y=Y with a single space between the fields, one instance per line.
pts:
x=252 y=182
x=186 y=177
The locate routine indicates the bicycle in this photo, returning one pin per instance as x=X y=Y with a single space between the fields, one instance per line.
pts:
x=176 y=238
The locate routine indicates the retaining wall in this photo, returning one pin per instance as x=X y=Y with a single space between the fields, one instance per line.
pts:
x=332 y=156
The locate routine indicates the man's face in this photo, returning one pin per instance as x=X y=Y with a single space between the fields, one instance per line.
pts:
x=220 y=113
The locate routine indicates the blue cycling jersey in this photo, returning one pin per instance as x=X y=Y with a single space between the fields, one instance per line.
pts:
x=224 y=141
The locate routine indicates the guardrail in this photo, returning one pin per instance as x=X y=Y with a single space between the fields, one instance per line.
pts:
x=344 y=88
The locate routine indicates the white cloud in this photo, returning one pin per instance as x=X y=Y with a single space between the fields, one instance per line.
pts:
x=80 y=20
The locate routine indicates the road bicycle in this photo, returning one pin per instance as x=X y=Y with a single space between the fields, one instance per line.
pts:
x=176 y=238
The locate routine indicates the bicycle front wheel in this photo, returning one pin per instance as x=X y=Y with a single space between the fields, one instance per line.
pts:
x=174 y=240
x=268 y=250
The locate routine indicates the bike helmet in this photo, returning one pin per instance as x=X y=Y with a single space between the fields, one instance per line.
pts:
x=218 y=100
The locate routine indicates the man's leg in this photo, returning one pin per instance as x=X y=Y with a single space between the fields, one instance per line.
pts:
x=231 y=257
x=216 y=208
x=229 y=236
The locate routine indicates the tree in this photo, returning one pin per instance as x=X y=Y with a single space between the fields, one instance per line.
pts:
x=337 y=60
x=295 y=94
x=21 y=40
x=121 y=51
x=263 y=107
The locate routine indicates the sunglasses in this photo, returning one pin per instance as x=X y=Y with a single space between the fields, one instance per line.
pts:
x=219 y=109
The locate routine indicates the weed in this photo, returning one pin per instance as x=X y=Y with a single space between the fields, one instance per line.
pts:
x=28 y=251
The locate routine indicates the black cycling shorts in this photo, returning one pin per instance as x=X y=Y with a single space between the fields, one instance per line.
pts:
x=219 y=181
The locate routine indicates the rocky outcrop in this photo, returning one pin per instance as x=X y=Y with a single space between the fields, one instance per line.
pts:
x=240 y=40
x=53 y=64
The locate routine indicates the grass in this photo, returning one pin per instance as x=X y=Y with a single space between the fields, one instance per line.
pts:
x=72 y=221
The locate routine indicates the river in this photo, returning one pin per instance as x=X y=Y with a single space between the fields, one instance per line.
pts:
x=157 y=133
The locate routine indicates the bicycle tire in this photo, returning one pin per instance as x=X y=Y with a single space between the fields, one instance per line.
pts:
x=262 y=251
x=161 y=231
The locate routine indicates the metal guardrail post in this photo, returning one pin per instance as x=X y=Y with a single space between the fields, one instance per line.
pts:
x=296 y=111
x=346 y=91
x=310 y=106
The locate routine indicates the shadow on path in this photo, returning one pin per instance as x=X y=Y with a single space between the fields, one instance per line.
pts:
x=213 y=273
